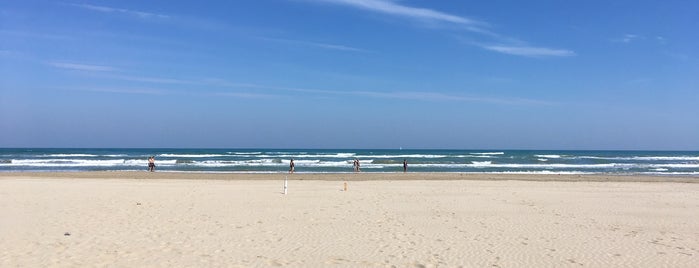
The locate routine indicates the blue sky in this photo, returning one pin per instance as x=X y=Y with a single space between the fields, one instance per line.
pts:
x=350 y=74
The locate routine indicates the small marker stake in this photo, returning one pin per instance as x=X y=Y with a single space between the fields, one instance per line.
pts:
x=345 y=187
x=286 y=184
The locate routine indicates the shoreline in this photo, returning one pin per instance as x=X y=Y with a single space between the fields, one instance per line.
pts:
x=398 y=176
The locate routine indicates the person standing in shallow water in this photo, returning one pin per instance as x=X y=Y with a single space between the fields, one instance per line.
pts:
x=151 y=164
x=291 y=166
x=405 y=165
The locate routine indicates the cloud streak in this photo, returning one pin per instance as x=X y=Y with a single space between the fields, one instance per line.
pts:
x=139 y=91
x=105 y=9
x=509 y=45
x=402 y=95
x=527 y=51
x=628 y=38
x=219 y=84
x=392 y=8
x=81 y=67
x=317 y=44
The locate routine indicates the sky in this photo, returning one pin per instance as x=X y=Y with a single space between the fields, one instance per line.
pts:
x=343 y=74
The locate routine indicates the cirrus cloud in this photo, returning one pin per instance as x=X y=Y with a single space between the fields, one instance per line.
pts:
x=530 y=51
x=81 y=67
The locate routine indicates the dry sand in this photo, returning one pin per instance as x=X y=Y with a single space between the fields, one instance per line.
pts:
x=132 y=219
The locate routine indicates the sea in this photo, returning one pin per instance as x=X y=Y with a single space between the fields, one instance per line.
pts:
x=684 y=163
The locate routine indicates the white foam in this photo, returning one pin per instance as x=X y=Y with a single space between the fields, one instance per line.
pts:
x=82 y=163
x=404 y=156
x=71 y=155
x=667 y=158
x=476 y=156
x=552 y=166
x=192 y=155
x=338 y=155
x=543 y=159
x=675 y=165
x=548 y=155
x=645 y=158
x=489 y=153
x=542 y=172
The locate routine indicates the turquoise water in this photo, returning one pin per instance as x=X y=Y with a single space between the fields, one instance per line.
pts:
x=379 y=160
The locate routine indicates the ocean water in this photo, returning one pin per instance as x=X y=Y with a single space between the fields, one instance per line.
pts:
x=324 y=161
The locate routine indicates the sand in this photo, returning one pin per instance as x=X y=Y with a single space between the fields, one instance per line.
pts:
x=139 y=219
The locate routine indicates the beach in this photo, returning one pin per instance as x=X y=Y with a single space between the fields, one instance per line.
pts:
x=174 y=219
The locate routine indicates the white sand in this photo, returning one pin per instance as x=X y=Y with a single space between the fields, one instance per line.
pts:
x=416 y=223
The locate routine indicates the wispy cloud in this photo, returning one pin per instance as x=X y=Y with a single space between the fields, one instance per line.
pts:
x=316 y=44
x=394 y=95
x=510 y=46
x=155 y=80
x=393 y=8
x=254 y=90
x=634 y=38
x=162 y=91
x=25 y=34
x=433 y=96
x=628 y=38
x=105 y=9
x=108 y=72
x=81 y=67
x=122 y=90
x=529 y=51
x=661 y=40
x=246 y=95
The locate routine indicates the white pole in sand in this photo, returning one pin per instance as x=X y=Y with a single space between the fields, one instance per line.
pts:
x=286 y=184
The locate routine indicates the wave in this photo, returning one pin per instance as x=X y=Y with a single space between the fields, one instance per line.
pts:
x=338 y=155
x=81 y=155
x=272 y=163
x=667 y=158
x=245 y=153
x=191 y=155
x=548 y=156
x=386 y=161
x=404 y=156
x=488 y=164
x=644 y=158
x=542 y=172
x=366 y=163
x=476 y=156
x=489 y=153
x=583 y=166
x=82 y=163
x=69 y=155
x=675 y=165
